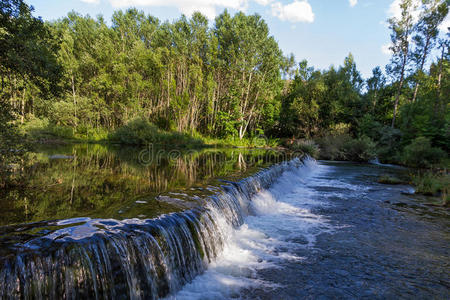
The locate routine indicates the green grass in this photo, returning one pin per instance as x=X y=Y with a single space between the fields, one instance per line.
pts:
x=136 y=132
x=433 y=184
x=308 y=147
x=236 y=142
x=41 y=130
x=386 y=179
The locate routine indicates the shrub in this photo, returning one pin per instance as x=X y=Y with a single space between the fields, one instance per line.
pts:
x=86 y=132
x=332 y=146
x=136 y=132
x=368 y=126
x=389 y=144
x=421 y=154
x=140 y=132
x=339 y=129
x=344 y=147
x=308 y=147
x=33 y=125
x=386 y=179
x=361 y=149
x=430 y=183
x=42 y=129
x=64 y=132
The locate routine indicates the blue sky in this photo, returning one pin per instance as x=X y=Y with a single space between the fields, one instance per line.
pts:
x=321 y=31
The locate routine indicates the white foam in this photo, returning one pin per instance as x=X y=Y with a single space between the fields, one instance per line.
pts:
x=279 y=216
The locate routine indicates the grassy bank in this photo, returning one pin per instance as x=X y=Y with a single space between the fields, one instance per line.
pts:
x=135 y=132
x=42 y=131
x=433 y=183
x=336 y=147
x=428 y=165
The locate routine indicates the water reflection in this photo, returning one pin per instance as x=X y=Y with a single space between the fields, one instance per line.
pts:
x=99 y=181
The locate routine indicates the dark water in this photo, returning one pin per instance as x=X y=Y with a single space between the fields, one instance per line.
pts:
x=297 y=230
x=97 y=181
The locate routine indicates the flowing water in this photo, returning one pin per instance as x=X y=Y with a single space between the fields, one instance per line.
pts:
x=330 y=231
x=297 y=229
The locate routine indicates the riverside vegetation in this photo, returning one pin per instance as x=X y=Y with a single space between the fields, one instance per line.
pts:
x=189 y=83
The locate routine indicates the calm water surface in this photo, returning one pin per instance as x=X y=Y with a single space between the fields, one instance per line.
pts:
x=97 y=181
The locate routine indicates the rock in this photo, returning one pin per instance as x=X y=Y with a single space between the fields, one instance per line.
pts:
x=61 y=156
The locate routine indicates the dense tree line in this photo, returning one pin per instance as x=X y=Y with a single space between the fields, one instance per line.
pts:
x=409 y=101
x=186 y=75
x=228 y=78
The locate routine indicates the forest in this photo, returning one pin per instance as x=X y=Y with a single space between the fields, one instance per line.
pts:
x=138 y=80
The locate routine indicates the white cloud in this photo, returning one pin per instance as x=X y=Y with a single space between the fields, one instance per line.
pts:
x=445 y=24
x=263 y=2
x=187 y=7
x=385 y=49
x=353 y=2
x=395 y=10
x=297 y=11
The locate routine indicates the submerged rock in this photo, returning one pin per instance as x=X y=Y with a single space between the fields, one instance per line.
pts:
x=61 y=156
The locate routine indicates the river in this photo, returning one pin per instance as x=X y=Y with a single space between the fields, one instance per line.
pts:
x=247 y=228
x=328 y=230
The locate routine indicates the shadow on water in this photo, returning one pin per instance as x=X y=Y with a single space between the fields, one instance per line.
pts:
x=98 y=181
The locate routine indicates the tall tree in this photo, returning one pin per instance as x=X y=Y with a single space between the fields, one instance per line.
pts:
x=27 y=55
x=434 y=12
x=249 y=62
x=402 y=29
x=374 y=85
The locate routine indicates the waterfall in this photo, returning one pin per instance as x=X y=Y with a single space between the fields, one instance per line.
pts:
x=153 y=258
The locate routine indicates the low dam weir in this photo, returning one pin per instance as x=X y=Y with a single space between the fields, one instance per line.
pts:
x=131 y=258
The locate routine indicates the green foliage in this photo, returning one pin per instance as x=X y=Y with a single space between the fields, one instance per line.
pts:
x=88 y=133
x=361 y=149
x=319 y=100
x=136 y=132
x=185 y=75
x=431 y=183
x=226 y=125
x=12 y=146
x=420 y=153
x=255 y=142
x=344 y=147
x=142 y=132
x=27 y=51
x=308 y=147
x=332 y=146
x=83 y=78
x=27 y=57
x=386 y=179
x=42 y=130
